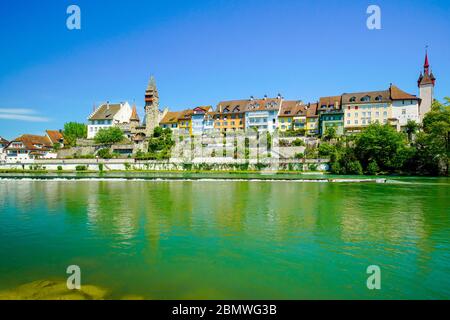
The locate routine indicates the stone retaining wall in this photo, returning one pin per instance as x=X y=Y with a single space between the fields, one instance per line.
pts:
x=172 y=165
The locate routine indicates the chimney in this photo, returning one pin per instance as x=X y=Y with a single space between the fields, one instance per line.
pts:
x=252 y=98
x=107 y=105
x=279 y=96
x=265 y=97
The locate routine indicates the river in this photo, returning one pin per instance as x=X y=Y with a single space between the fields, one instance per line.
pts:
x=221 y=239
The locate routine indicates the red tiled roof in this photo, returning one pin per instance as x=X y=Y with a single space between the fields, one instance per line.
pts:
x=292 y=108
x=311 y=111
x=249 y=105
x=31 y=142
x=170 y=117
x=185 y=114
x=398 y=94
x=55 y=136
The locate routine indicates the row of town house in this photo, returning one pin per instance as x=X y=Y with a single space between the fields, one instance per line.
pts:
x=347 y=113
x=29 y=147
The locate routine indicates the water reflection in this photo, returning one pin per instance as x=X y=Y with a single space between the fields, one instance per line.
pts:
x=177 y=233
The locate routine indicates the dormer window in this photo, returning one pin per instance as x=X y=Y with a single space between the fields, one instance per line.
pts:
x=365 y=99
x=353 y=99
x=379 y=98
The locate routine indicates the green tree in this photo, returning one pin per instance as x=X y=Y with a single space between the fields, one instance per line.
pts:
x=432 y=156
x=330 y=134
x=383 y=144
x=411 y=129
x=73 y=131
x=353 y=167
x=326 y=149
x=372 y=168
x=109 y=135
x=158 y=132
x=160 y=144
x=104 y=153
x=298 y=143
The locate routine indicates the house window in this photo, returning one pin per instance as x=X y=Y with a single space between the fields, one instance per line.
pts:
x=403 y=111
x=356 y=107
x=365 y=99
x=356 y=121
x=349 y=115
x=348 y=121
x=352 y=99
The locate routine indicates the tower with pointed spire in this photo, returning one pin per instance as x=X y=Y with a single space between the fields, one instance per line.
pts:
x=134 y=118
x=426 y=84
x=151 y=107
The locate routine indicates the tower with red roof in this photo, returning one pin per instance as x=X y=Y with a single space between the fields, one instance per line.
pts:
x=426 y=83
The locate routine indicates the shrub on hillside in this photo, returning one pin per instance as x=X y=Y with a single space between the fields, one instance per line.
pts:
x=110 y=135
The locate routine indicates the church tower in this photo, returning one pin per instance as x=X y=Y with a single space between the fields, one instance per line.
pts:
x=426 y=85
x=151 y=107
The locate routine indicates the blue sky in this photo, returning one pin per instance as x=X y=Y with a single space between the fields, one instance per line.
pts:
x=205 y=51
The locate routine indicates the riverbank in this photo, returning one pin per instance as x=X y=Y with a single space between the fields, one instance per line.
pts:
x=198 y=164
x=204 y=175
x=191 y=175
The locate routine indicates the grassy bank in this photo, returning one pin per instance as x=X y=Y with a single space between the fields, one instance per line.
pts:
x=9 y=171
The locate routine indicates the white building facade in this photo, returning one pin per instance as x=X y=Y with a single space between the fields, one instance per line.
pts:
x=108 y=115
x=262 y=115
x=27 y=147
